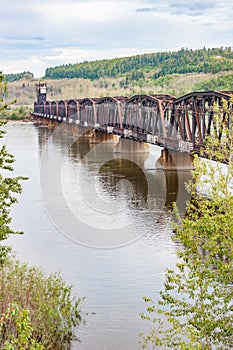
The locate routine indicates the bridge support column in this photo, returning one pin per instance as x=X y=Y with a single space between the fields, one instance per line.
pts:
x=73 y=129
x=76 y=130
x=85 y=132
x=130 y=146
x=64 y=126
x=98 y=137
x=174 y=160
x=50 y=123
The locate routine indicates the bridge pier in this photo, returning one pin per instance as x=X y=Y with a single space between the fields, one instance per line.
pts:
x=99 y=136
x=50 y=123
x=73 y=129
x=177 y=169
x=174 y=160
x=130 y=146
x=85 y=132
x=77 y=130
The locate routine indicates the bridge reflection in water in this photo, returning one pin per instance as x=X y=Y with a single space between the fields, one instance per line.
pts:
x=149 y=180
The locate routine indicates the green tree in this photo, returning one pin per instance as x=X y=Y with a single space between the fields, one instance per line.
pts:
x=9 y=185
x=195 y=308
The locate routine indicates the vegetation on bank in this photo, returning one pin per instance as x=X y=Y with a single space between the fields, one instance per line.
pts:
x=194 y=310
x=36 y=311
x=16 y=113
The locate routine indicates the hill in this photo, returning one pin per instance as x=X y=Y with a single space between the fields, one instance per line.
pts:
x=175 y=73
x=18 y=76
x=157 y=64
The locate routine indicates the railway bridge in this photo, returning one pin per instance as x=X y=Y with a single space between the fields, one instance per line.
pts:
x=180 y=124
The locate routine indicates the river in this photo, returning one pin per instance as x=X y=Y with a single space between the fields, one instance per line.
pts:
x=100 y=219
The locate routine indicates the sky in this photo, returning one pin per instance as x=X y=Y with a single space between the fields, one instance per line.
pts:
x=35 y=35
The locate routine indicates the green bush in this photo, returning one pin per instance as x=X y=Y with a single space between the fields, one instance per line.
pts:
x=15 y=113
x=36 y=311
x=19 y=324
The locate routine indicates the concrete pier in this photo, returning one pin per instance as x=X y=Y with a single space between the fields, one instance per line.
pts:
x=130 y=146
x=98 y=137
x=173 y=160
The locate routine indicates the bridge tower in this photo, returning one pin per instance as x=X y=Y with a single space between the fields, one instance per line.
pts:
x=41 y=90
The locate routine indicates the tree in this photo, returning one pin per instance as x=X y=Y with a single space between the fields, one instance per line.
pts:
x=195 y=308
x=9 y=186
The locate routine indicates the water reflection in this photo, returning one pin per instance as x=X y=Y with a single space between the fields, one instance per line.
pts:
x=153 y=188
x=167 y=176
x=177 y=169
x=79 y=148
x=117 y=174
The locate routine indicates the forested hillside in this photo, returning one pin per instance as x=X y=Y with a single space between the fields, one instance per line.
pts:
x=175 y=73
x=18 y=76
x=217 y=83
x=161 y=63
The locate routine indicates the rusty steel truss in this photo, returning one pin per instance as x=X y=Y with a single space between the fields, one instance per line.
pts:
x=175 y=123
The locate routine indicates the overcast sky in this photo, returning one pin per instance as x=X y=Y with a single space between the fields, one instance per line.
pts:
x=45 y=33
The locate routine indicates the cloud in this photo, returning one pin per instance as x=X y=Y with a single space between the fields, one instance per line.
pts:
x=179 y=8
x=13 y=42
x=53 y=32
x=146 y=9
x=192 y=8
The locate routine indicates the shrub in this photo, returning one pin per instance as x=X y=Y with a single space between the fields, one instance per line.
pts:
x=43 y=305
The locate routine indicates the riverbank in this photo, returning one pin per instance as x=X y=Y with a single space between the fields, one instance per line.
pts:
x=16 y=113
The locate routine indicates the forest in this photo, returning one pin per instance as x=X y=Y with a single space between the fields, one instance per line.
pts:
x=181 y=62
x=18 y=76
